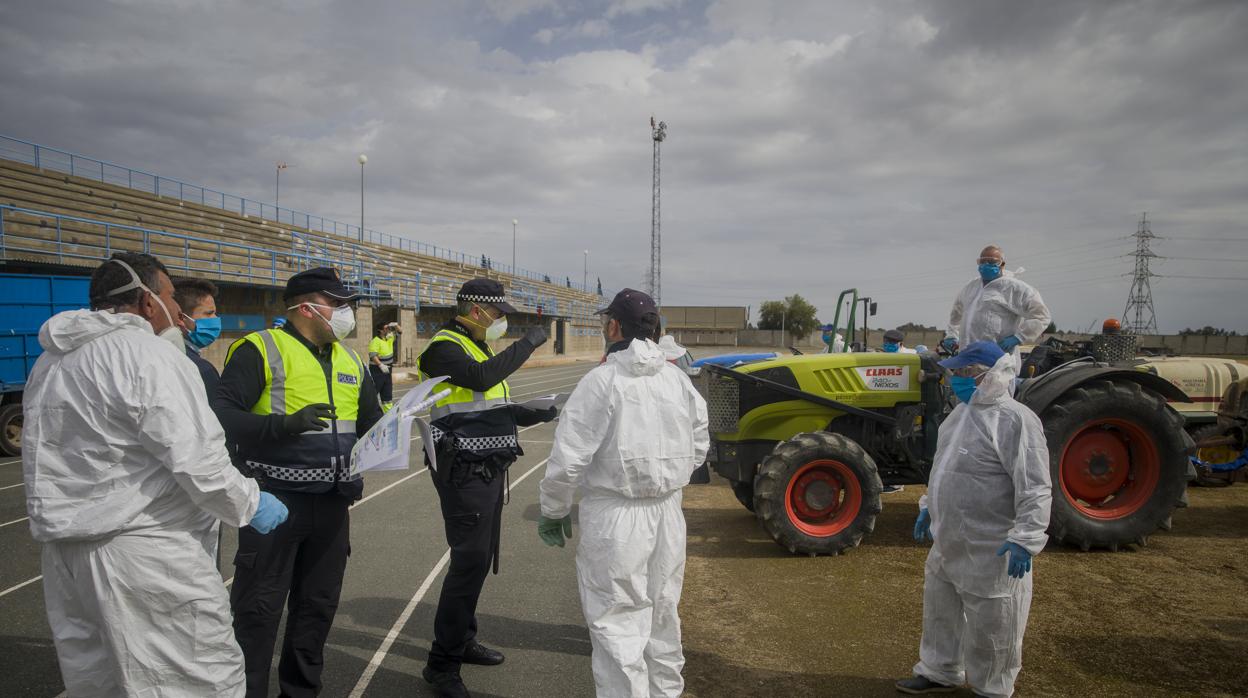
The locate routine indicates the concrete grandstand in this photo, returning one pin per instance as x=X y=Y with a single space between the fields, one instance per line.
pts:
x=62 y=213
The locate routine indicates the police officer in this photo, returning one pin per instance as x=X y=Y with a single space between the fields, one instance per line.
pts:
x=293 y=402
x=477 y=442
x=381 y=361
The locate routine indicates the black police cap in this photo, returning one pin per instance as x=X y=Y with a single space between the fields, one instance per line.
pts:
x=486 y=292
x=320 y=280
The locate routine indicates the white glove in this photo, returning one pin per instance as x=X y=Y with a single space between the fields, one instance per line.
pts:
x=384 y=368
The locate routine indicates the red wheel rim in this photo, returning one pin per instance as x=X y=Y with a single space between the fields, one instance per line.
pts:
x=823 y=498
x=1109 y=469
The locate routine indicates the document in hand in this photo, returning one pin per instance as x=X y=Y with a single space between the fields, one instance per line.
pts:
x=387 y=446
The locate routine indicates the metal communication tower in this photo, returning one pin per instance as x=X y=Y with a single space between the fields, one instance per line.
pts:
x=1138 y=318
x=658 y=134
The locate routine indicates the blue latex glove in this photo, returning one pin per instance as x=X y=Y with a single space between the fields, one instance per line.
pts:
x=1009 y=343
x=270 y=514
x=923 y=526
x=1020 y=559
x=554 y=531
x=950 y=344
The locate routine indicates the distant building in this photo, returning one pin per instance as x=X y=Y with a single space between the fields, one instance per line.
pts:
x=703 y=325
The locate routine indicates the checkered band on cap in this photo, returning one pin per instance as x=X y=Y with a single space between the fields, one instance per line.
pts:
x=481 y=299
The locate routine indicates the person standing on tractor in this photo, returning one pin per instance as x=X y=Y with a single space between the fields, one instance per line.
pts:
x=997 y=307
x=381 y=361
x=895 y=343
x=986 y=512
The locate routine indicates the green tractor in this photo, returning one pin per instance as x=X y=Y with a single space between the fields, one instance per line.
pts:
x=808 y=442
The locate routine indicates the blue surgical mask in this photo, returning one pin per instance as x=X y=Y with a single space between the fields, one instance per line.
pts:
x=963 y=387
x=891 y=347
x=206 y=331
x=989 y=271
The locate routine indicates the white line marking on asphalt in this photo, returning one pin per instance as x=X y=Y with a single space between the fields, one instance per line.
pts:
x=380 y=655
x=14 y=521
x=15 y=587
x=9 y=487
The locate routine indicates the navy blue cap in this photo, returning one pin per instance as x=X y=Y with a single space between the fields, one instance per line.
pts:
x=982 y=352
x=632 y=306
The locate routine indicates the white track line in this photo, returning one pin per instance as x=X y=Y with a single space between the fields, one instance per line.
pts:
x=9 y=487
x=15 y=587
x=14 y=521
x=380 y=655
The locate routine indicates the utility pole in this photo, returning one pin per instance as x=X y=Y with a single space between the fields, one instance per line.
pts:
x=1138 y=317
x=362 y=159
x=658 y=134
x=277 y=198
x=585 y=275
x=514 y=222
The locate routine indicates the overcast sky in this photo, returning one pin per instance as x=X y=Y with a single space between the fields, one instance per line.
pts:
x=813 y=145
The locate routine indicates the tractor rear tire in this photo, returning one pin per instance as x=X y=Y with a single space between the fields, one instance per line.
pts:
x=11 y=429
x=744 y=492
x=817 y=494
x=1118 y=457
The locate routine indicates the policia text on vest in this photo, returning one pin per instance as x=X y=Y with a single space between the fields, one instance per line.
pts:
x=476 y=445
x=269 y=378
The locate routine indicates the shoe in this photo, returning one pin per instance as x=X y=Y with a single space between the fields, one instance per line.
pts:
x=477 y=653
x=446 y=684
x=921 y=684
x=890 y=489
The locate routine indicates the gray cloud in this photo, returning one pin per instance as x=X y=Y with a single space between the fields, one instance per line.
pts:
x=814 y=145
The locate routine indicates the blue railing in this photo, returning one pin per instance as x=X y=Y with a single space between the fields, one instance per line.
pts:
x=43 y=157
x=180 y=252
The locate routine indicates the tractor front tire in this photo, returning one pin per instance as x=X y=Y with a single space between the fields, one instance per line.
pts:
x=1118 y=456
x=817 y=494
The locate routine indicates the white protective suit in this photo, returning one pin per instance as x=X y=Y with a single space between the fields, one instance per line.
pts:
x=126 y=478
x=1006 y=306
x=989 y=484
x=629 y=437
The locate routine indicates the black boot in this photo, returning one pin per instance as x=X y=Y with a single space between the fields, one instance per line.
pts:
x=477 y=653
x=446 y=684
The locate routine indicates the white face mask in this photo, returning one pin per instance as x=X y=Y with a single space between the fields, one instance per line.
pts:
x=172 y=333
x=497 y=328
x=340 y=323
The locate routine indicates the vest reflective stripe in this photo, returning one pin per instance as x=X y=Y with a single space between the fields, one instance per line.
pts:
x=463 y=399
x=277 y=373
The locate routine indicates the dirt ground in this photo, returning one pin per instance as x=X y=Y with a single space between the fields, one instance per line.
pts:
x=1170 y=619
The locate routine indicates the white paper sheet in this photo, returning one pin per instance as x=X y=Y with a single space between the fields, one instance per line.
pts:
x=387 y=446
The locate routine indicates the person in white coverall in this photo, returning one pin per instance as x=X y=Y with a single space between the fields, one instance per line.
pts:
x=986 y=511
x=997 y=307
x=629 y=437
x=126 y=478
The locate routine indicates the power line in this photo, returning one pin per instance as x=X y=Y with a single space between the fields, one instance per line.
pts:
x=1203 y=278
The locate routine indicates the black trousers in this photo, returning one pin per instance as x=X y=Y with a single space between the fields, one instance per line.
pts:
x=304 y=558
x=472 y=513
x=384 y=383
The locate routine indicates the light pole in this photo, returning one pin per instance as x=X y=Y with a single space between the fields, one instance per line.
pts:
x=363 y=159
x=514 y=223
x=277 y=198
x=585 y=276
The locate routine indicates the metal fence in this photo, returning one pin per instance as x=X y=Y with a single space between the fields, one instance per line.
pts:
x=47 y=158
x=72 y=239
